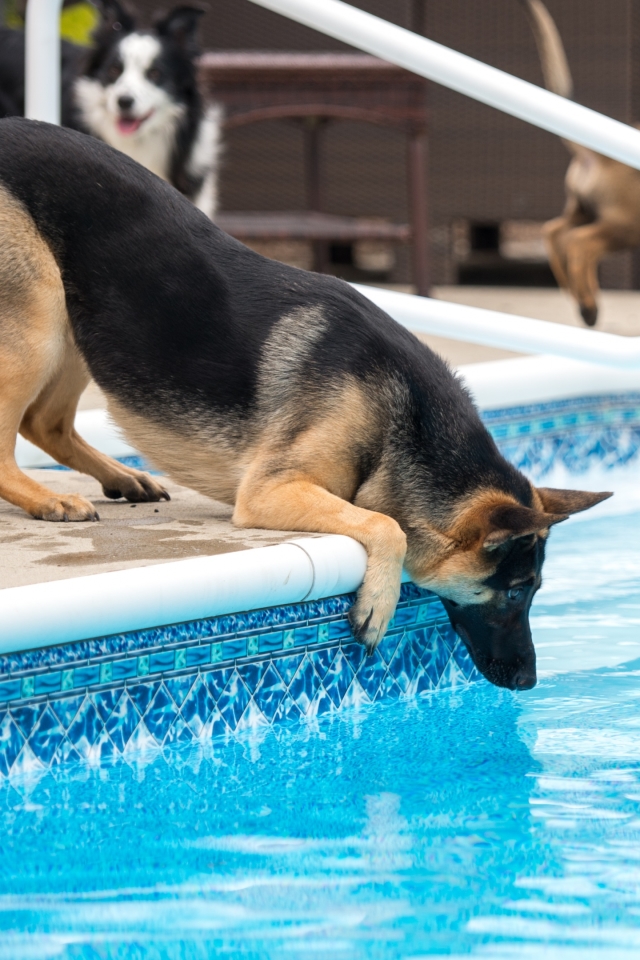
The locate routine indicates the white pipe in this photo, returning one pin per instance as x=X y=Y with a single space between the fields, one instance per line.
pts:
x=42 y=60
x=64 y=611
x=507 y=331
x=462 y=73
x=499 y=384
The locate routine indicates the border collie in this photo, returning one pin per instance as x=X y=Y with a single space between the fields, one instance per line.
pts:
x=136 y=90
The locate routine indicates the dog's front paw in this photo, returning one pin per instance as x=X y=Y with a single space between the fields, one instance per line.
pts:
x=374 y=607
x=72 y=508
x=138 y=488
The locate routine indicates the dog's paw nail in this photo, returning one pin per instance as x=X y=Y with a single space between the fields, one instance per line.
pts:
x=165 y=495
x=65 y=517
x=96 y=516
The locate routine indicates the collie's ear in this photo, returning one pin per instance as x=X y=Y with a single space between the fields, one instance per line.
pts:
x=181 y=25
x=509 y=522
x=118 y=17
x=569 y=501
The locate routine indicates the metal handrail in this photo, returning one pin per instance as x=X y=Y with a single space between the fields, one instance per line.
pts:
x=464 y=74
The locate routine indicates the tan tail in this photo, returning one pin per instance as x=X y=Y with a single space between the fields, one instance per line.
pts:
x=553 y=59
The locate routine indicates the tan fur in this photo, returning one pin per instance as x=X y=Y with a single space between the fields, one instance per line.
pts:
x=42 y=374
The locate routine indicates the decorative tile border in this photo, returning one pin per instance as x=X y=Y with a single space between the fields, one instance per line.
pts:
x=114 y=695
x=577 y=433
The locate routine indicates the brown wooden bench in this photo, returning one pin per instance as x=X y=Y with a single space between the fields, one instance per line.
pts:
x=317 y=88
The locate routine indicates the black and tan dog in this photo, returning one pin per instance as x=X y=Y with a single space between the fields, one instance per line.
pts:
x=602 y=211
x=282 y=392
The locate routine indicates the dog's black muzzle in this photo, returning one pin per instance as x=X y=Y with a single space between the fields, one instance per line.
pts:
x=500 y=644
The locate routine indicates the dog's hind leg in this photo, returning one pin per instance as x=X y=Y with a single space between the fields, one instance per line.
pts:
x=293 y=501
x=49 y=423
x=555 y=232
x=33 y=320
x=585 y=246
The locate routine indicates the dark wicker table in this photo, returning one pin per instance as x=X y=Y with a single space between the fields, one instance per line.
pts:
x=318 y=88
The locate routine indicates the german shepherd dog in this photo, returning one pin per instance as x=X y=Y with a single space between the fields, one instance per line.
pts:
x=137 y=90
x=282 y=392
x=602 y=211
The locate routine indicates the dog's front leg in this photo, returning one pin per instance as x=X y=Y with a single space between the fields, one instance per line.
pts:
x=292 y=501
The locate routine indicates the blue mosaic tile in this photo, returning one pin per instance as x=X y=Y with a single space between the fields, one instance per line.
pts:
x=85 y=729
x=122 y=722
x=47 y=736
x=305 y=684
x=179 y=687
x=10 y=690
x=48 y=683
x=124 y=669
x=197 y=707
x=86 y=676
x=11 y=743
x=161 y=714
x=371 y=673
x=161 y=661
x=216 y=681
x=66 y=708
x=337 y=679
x=271 y=692
x=233 y=649
x=233 y=700
x=198 y=655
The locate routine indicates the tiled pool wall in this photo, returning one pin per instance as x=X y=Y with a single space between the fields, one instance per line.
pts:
x=115 y=695
x=111 y=696
x=577 y=434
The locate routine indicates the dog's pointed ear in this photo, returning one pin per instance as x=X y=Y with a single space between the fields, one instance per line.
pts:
x=569 y=501
x=511 y=521
x=181 y=24
x=118 y=17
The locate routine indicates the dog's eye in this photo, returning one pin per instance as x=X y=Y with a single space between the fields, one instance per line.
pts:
x=154 y=75
x=515 y=593
x=114 y=72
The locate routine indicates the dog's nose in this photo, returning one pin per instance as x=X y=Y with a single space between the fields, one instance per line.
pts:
x=524 y=680
x=125 y=103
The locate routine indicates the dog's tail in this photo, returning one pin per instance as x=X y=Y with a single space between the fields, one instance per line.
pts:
x=553 y=59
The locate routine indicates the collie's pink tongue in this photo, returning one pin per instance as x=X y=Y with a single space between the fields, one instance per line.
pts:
x=131 y=124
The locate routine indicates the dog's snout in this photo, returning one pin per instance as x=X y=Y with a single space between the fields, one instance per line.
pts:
x=524 y=679
x=125 y=102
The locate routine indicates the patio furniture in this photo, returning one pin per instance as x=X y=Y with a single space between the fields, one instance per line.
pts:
x=318 y=88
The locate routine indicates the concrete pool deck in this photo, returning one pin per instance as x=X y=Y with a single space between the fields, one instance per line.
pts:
x=128 y=535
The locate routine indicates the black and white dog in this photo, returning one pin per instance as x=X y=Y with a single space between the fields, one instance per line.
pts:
x=136 y=90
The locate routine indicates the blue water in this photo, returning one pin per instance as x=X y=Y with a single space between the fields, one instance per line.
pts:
x=476 y=822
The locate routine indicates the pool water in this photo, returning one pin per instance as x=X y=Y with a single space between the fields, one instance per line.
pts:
x=471 y=822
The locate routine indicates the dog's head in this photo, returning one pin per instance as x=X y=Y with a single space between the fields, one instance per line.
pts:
x=486 y=567
x=135 y=79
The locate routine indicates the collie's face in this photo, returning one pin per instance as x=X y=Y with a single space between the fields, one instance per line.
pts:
x=133 y=93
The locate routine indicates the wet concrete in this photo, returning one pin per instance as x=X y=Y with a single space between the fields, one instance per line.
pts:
x=128 y=535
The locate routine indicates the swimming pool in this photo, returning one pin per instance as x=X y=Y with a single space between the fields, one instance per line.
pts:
x=469 y=821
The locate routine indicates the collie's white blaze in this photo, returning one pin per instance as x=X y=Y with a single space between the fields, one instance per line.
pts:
x=152 y=142
x=203 y=160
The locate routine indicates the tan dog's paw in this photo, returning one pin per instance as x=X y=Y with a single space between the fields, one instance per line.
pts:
x=374 y=607
x=138 y=488
x=72 y=508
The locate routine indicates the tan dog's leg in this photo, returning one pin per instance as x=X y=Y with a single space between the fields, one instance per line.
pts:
x=49 y=423
x=24 y=367
x=585 y=247
x=555 y=232
x=295 y=502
